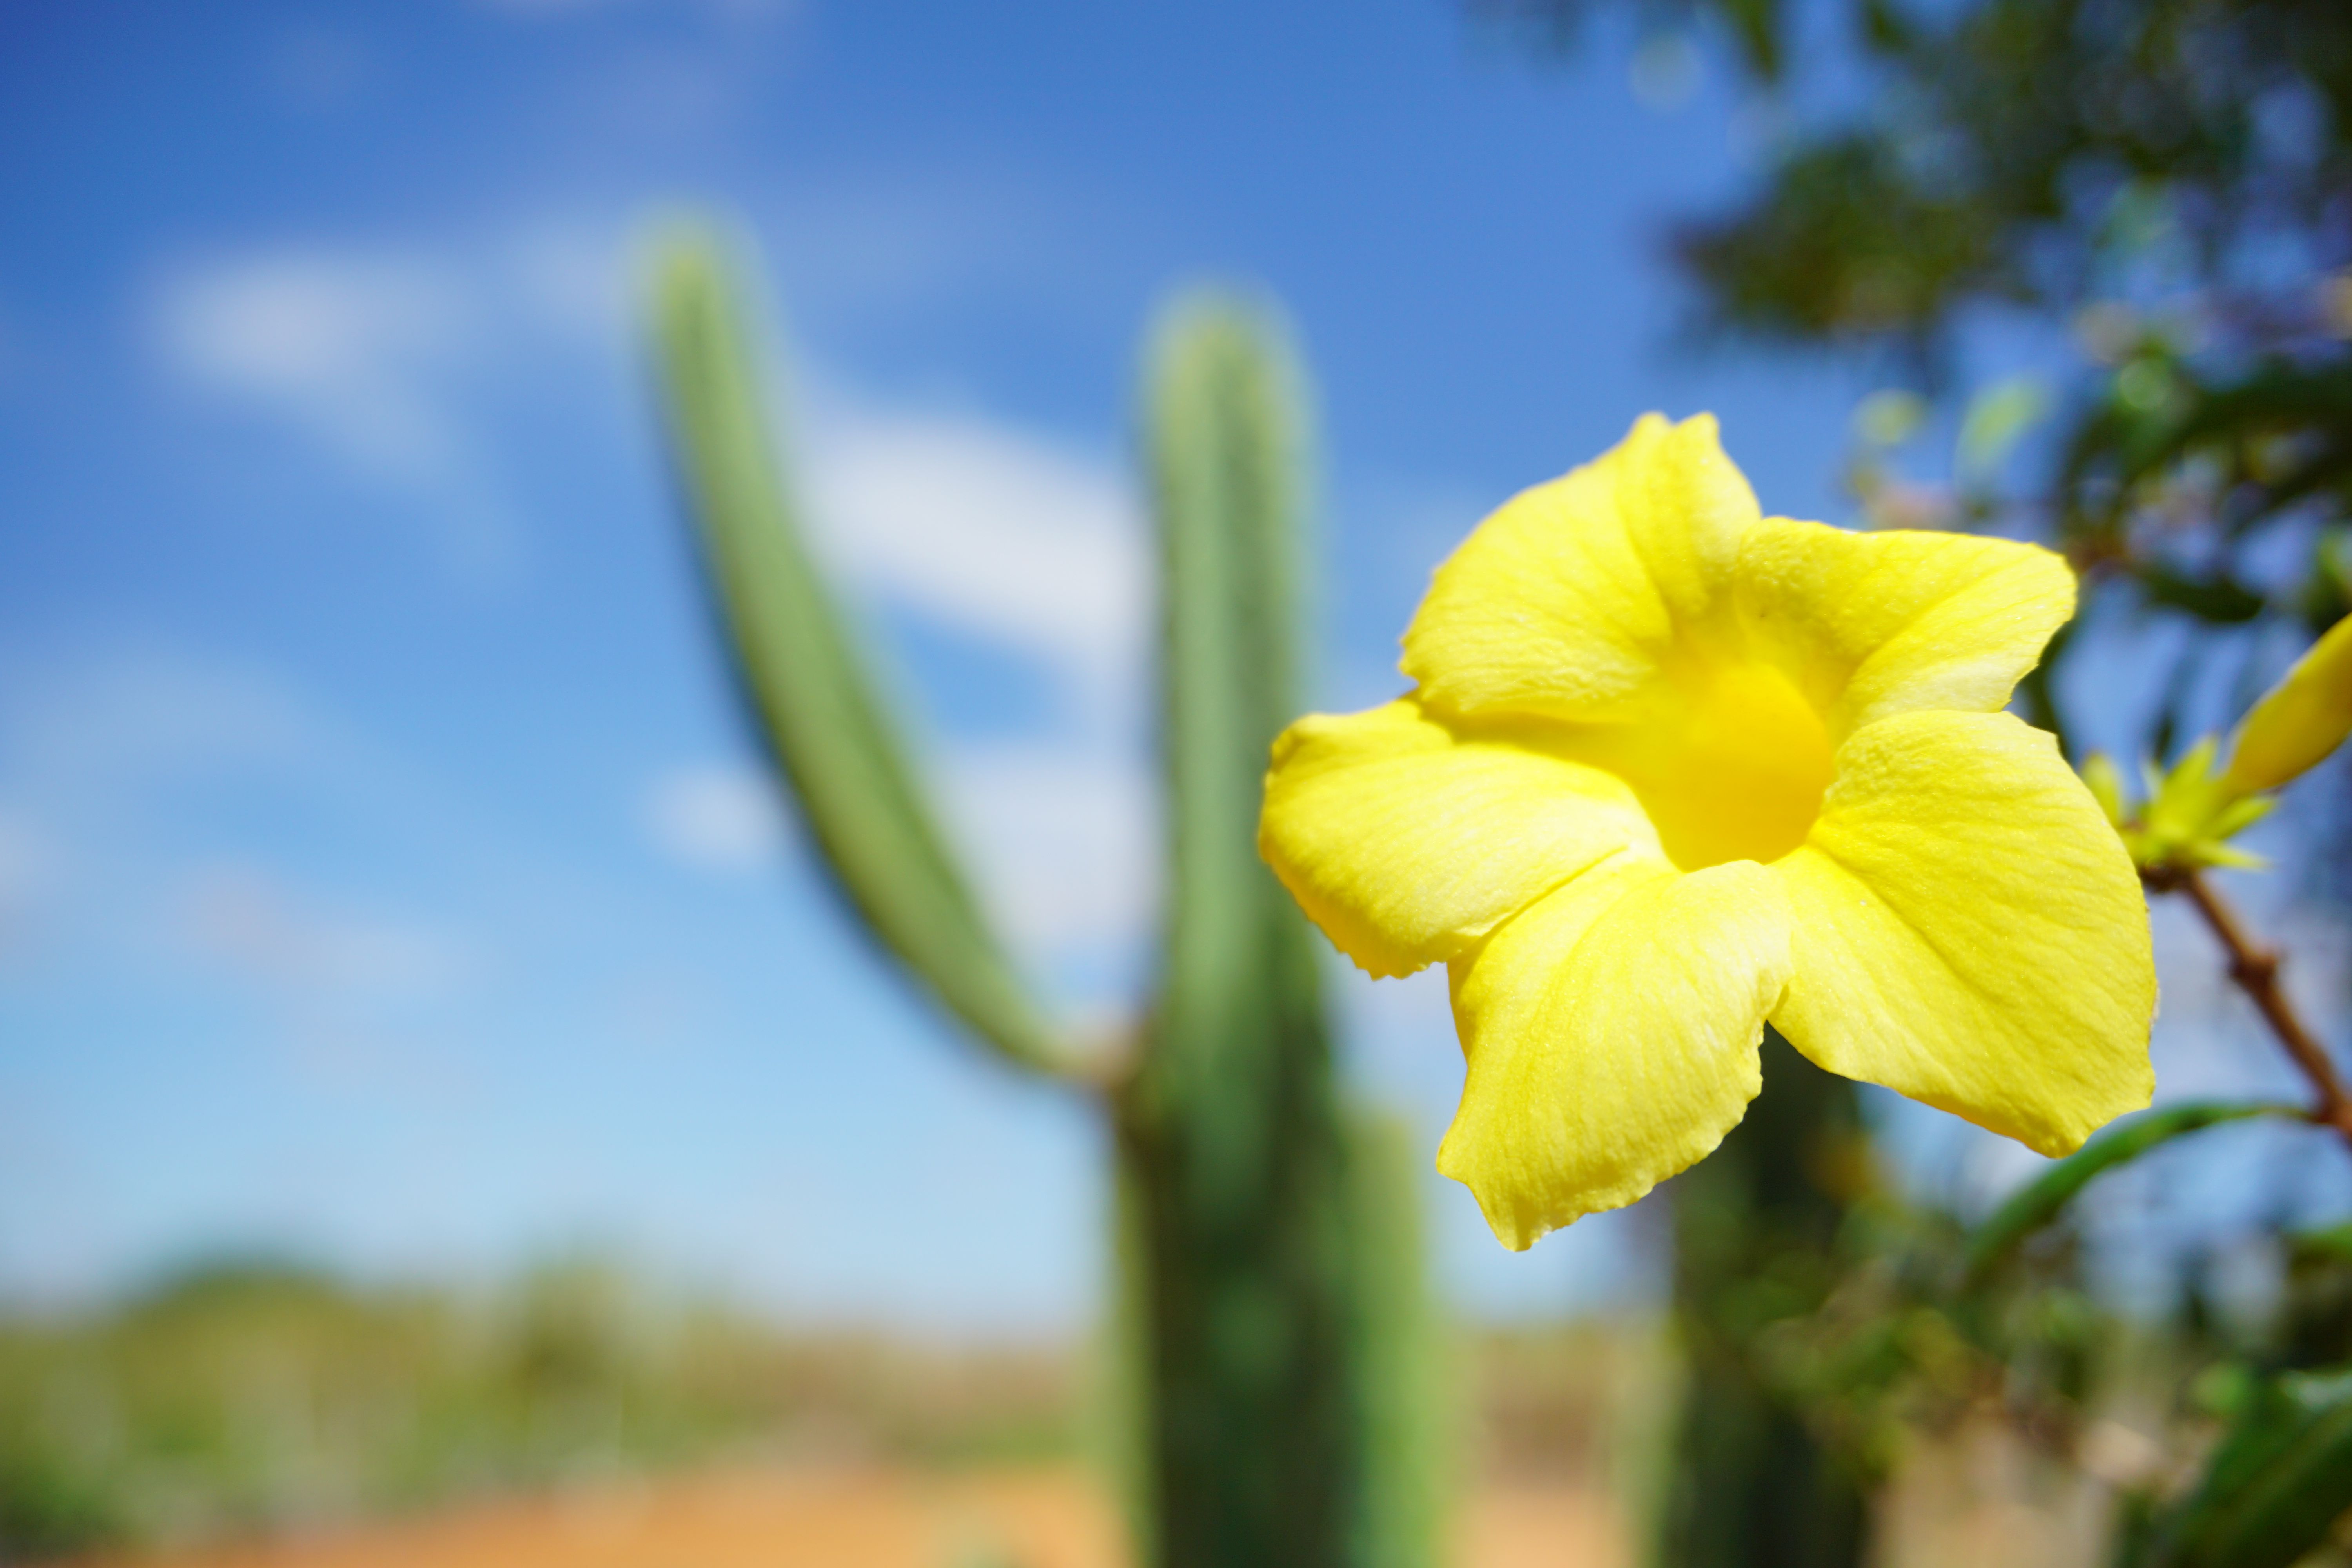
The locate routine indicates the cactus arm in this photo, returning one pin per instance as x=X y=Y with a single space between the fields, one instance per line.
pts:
x=1230 y=1133
x=1226 y=455
x=800 y=672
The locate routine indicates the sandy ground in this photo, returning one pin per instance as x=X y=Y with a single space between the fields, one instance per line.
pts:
x=1040 y=1517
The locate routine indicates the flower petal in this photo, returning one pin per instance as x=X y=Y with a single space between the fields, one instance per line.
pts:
x=1872 y=625
x=1406 y=839
x=2300 y=720
x=1567 y=601
x=1967 y=930
x=1613 y=1032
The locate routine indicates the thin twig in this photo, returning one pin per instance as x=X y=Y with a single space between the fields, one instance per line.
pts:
x=2255 y=968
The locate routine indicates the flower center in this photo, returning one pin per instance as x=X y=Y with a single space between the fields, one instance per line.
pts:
x=1731 y=765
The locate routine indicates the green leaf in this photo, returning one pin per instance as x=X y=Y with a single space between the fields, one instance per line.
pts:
x=2039 y=1203
x=807 y=686
x=2278 y=1482
x=2333 y=1242
x=1996 y=419
x=2220 y=599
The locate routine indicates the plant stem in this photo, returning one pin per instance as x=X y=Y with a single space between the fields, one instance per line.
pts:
x=2255 y=968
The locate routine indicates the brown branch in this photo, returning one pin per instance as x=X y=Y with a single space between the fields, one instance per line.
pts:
x=2255 y=968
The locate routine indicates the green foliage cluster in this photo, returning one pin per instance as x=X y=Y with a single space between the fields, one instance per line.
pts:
x=2049 y=153
x=244 y=1397
x=1930 y=1324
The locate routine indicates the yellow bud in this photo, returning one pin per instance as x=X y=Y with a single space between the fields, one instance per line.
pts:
x=2298 y=721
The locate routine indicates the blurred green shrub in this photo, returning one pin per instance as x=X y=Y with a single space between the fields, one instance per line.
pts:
x=247 y=1396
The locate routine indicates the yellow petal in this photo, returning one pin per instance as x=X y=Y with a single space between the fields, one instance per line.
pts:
x=2300 y=721
x=1568 y=600
x=1968 y=930
x=1872 y=625
x=1407 y=841
x=1613 y=1032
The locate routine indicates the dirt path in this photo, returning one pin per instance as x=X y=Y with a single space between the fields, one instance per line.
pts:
x=1045 y=1517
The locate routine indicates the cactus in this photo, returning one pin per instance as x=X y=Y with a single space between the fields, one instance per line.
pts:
x=1280 y=1388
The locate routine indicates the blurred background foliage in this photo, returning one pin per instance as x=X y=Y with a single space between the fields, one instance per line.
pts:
x=248 y=1397
x=243 y=1396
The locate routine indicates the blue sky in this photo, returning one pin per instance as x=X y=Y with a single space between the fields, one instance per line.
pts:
x=383 y=874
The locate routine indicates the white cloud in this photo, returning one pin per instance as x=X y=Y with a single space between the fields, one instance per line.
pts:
x=79 y=727
x=1064 y=843
x=1029 y=544
x=995 y=531
x=869 y=244
x=28 y=858
x=362 y=995
x=737 y=11
x=31 y=865
x=571 y=279
x=389 y=359
x=715 y=818
x=342 y=341
x=250 y=920
x=320 y=68
x=122 y=765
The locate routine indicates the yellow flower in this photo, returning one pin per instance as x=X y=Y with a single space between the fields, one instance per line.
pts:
x=1671 y=770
